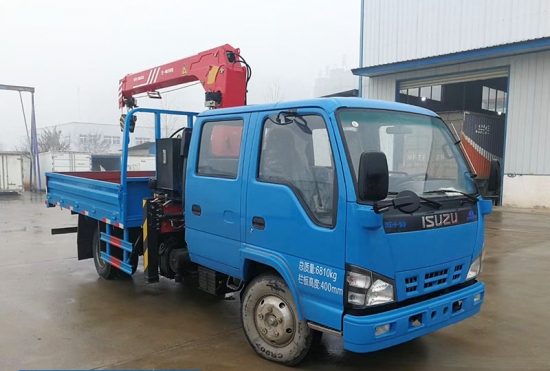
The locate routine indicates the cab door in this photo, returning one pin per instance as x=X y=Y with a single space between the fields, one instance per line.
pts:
x=295 y=207
x=213 y=192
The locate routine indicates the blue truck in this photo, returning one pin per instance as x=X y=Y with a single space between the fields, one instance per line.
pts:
x=346 y=216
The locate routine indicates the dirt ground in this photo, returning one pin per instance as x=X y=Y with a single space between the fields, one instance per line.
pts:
x=56 y=313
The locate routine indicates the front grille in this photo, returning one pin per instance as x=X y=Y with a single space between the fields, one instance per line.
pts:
x=457 y=272
x=411 y=283
x=436 y=278
x=423 y=281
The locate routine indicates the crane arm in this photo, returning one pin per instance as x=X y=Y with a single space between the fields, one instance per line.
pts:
x=222 y=72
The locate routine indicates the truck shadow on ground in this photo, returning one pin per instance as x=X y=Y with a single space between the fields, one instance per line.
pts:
x=330 y=353
x=185 y=327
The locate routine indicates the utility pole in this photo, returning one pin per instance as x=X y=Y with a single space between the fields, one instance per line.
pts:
x=36 y=182
x=361 y=45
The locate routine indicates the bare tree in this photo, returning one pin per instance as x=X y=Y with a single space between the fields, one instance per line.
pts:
x=94 y=143
x=24 y=146
x=170 y=122
x=50 y=140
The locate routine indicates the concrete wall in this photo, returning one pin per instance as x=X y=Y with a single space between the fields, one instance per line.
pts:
x=526 y=191
x=399 y=30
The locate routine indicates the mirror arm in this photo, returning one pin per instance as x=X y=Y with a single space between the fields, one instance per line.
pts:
x=382 y=206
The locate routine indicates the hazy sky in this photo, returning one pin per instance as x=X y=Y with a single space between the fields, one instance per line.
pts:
x=74 y=52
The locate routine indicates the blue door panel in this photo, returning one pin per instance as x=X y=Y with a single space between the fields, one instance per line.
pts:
x=289 y=229
x=313 y=254
x=214 y=233
x=219 y=200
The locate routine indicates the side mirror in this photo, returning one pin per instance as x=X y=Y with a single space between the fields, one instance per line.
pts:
x=373 y=177
x=495 y=176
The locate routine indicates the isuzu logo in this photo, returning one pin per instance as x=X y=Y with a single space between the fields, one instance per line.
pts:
x=439 y=220
x=396 y=222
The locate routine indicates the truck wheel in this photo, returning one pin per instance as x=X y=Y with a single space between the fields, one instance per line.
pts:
x=270 y=321
x=134 y=259
x=105 y=270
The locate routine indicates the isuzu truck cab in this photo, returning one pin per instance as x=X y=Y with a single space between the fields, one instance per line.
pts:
x=347 y=216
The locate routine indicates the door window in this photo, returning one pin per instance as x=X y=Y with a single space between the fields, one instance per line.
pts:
x=299 y=155
x=220 y=148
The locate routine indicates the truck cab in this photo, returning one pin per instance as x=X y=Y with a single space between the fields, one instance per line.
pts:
x=295 y=190
x=346 y=216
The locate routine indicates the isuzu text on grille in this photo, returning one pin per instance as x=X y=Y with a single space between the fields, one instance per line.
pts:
x=439 y=220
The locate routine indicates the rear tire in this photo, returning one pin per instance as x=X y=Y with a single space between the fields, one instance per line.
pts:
x=134 y=259
x=270 y=321
x=104 y=269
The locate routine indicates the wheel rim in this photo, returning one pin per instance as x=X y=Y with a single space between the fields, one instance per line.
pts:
x=274 y=320
x=100 y=261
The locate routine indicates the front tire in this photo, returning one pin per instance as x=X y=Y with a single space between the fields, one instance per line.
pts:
x=270 y=321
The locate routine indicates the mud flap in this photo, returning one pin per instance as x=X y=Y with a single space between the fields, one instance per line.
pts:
x=86 y=228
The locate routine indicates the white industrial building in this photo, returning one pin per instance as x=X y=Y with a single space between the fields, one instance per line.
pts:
x=79 y=135
x=484 y=65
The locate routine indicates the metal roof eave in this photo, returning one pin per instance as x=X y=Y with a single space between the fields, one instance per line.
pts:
x=327 y=104
x=522 y=47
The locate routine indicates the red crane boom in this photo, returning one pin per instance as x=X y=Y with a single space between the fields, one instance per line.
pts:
x=222 y=71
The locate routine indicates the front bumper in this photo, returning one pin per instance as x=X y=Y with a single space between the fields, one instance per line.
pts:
x=412 y=321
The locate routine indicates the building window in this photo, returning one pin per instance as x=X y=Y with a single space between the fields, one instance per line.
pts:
x=112 y=139
x=436 y=93
x=432 y=92
x=413 y=92
x=426 y=92
x=83 y=139
x=493 y=100
x=301 y=160
x=220 y=149
x=141 y=140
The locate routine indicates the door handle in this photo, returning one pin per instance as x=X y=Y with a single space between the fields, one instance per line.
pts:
x=258 y=222
x=196 y=209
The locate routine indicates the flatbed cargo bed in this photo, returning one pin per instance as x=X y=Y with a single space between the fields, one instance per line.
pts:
x=99 y=195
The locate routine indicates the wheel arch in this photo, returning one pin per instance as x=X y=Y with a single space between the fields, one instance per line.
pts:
x=256 y=263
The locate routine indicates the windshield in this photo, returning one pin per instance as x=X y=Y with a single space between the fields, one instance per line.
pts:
x=420 y=150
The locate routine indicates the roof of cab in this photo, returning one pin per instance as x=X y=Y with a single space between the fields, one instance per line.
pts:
x=328 y=104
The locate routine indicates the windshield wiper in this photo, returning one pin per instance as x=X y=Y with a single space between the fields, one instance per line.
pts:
x=432 y=203
x=427 y=201
x=443 y=190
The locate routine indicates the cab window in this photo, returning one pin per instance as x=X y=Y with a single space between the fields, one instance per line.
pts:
x=220 y=148
x=299 y=155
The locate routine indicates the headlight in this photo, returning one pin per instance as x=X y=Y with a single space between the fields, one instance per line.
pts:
x=365 y=288
x=358 y=280
x=475 y=268
x=355 y=298
x=380 y=292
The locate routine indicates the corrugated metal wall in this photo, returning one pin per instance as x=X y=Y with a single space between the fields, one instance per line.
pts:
x=528 y=123
x=398 y=30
